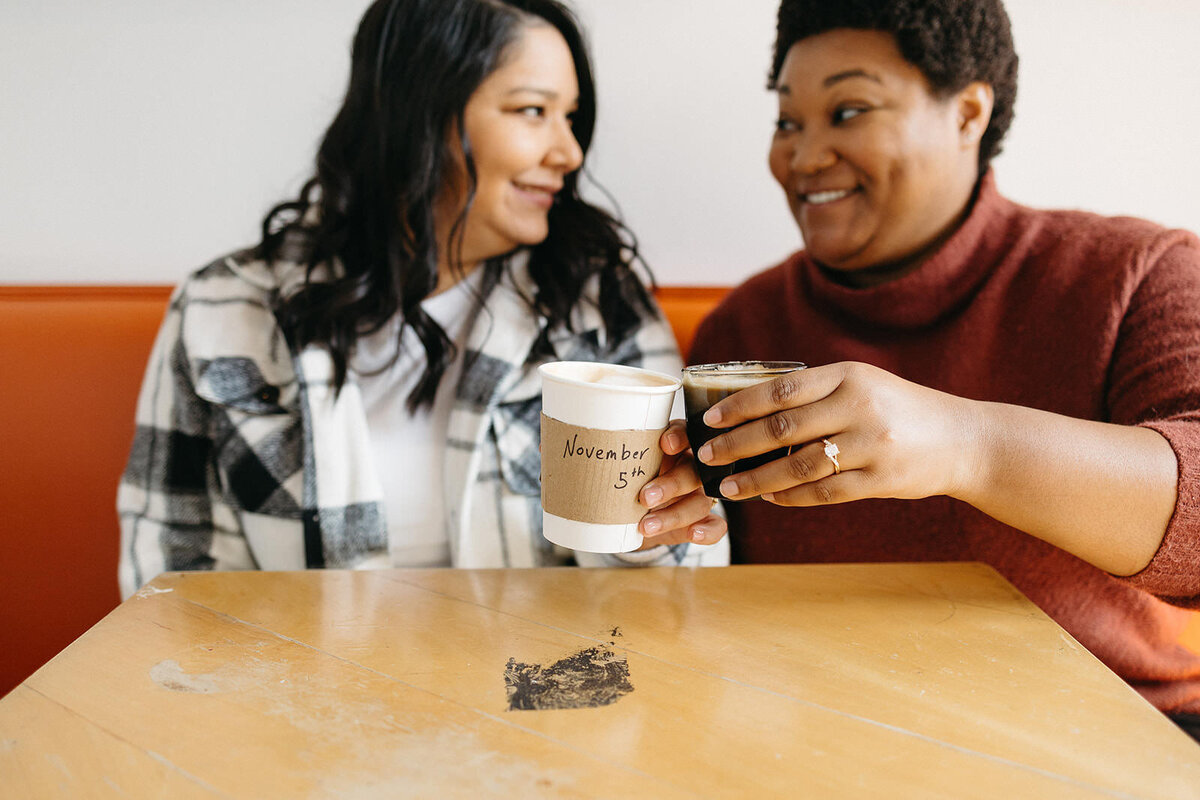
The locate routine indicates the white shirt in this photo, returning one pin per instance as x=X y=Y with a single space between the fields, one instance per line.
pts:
x=408 y=449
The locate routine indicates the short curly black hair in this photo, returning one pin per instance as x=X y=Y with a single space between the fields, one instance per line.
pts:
x=952 y=42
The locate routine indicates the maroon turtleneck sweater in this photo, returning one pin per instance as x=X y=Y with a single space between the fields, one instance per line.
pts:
x=1092 y=317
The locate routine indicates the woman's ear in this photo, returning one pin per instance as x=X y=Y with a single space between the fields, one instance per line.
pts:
x=975 y=103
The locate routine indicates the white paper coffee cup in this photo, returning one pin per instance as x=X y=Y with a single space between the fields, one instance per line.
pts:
x=600 y=429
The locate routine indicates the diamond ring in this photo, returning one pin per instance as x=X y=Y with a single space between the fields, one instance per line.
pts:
x=831 y=452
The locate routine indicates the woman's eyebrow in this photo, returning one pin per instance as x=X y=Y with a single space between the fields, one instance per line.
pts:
x=844 y=75
x=851 y=73
x=549 y=94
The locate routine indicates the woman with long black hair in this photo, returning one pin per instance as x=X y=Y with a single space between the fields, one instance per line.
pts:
x=360 y=388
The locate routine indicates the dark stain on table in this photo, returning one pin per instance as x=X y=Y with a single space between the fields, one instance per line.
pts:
x=590 y=678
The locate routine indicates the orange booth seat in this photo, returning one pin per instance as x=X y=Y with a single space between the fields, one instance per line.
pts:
x=71 y=363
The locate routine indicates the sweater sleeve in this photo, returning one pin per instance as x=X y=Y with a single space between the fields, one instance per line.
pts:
x=1155 y=383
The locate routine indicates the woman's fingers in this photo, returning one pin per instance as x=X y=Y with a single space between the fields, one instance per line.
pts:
x=784 y=412
x=679 y=510
x=677 y=479
x=674 y=439
x=783 y=430
x=689 y=519
x=826 y=491
x=803 y=466
x=789 y=390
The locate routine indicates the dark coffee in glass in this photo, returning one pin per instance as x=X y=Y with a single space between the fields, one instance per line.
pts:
x=705 y=385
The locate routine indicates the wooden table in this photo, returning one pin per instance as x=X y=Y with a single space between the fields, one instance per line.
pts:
x=932 y=680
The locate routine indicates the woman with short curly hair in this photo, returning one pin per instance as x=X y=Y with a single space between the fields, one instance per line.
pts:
x=991 y=382
x=950 y=42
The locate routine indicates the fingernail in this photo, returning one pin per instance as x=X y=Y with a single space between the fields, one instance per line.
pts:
x=712 y=417
x=704 y=453
x=651 y=525
x=675 y=441
x=697 y=535
x=769 y=497
x=652 y=495
x=729 y=487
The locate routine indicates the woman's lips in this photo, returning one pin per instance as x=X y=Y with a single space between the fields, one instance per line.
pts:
x=825 y=197
x=542 y=196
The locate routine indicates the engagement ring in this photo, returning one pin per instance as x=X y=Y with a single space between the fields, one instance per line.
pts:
x=831 y=452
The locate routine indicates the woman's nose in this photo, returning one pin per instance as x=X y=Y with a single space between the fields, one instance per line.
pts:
x=565 y=152
x=811 y=154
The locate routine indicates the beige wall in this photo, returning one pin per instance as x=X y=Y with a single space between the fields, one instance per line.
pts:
x=138 y=139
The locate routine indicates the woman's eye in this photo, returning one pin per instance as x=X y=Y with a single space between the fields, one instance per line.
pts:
x=847 y=113
x=532 y=111
x=783 y=125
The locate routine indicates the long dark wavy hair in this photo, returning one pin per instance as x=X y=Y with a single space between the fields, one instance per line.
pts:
x=369 y=208
x=952 y=42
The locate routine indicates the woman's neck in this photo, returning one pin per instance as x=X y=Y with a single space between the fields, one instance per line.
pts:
x=450 y=276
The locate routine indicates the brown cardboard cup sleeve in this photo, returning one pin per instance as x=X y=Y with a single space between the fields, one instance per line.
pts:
x=592 y=475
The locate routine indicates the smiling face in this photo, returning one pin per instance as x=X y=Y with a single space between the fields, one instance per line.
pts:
x=876 y=169
x=518 y=127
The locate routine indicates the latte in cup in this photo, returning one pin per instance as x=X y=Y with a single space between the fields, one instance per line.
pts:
x=707 y=384
x=614 y=375
x=600 y=432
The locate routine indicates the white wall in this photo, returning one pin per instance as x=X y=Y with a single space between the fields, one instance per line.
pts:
x=140 y=138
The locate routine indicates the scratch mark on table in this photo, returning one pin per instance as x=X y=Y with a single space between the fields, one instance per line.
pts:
x=169 y=675
x=111 y=784
x=59 y=764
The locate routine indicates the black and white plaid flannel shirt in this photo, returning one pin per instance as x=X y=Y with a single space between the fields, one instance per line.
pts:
x=245 y=459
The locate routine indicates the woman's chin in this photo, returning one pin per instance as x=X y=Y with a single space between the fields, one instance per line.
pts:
x=837 y=256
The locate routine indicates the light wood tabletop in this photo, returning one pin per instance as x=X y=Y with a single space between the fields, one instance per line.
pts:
x=900 y=680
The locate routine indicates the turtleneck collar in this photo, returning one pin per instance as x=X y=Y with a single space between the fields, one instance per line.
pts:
x=938 y=286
